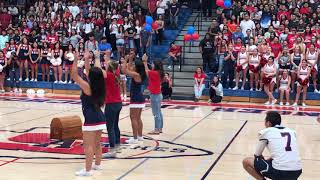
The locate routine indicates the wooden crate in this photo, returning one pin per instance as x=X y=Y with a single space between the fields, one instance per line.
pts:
x=68 y=127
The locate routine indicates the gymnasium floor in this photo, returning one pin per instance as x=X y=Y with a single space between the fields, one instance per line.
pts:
x=199 y=141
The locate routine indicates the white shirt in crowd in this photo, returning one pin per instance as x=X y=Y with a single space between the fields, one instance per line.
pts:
x=138 y=29
x=245 y=25
x=282 y=145
x=75 y=10
x=162 y=6
x=113 y=29
x=218 y=89
x=88 y=27
x=13 y=10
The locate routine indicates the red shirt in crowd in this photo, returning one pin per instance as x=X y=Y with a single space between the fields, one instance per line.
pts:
x=280 y=13
x=276 y=48
x=305 y=10
x=5 y=20
x=175 y=50
x=52 y=39
x=291 y=39
x=154 y=82
x=113 y=89
x=198 y=77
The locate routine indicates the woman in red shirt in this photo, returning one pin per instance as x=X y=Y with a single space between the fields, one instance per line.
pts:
x=112 y=101
x=155 y=78
x=199 y=86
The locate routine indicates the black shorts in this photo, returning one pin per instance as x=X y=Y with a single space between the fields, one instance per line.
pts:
x=264 y=167
x=288 y=67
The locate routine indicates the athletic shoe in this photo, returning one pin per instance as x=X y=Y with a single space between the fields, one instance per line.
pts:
x=20 y=79
x=132 y=141
x=281 y=103
x=235 y=88
x=35 y=80
x=111 y=154
x=96 y=167
x=55 y=81
x=169 y=67
x=83 y=172
x=26 y=79
x=70 y=82
x=242 y=88
x=20 y=90
x=274 y=102
x=209 y=101
x=140 y=139
x=304 y=105
x=316 y=91
x=251 y=89
x=154 y=132
x=15 y=90
x=31 y=80
x=60 y=82
x=267 y=103
x=294 y=104
x=287 y=104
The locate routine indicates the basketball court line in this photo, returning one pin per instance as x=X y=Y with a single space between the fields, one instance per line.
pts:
x=224 y=150
x=14 y=112
x=176 y=138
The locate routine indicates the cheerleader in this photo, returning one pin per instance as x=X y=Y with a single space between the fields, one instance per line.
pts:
x=136 y=70
x=57 y=68
x=296 y=58
x=34 y=57
x=13 y=67
x=123 y=84
x=263 y=62
x=254 y=61
x=269 y=72
x=23 y=54
x=303 y=75
x=3 y=64
x=242 y=67
x=69 y=57
x=92 y=99
x=45 y=63
x=12 y=47
x=284 y=86
x=312 y=60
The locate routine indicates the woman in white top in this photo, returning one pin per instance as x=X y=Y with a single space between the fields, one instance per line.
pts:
x=254 y=61
x=269 y=72
x=137 y=39
x=312 y=60
x=251 y=46
x=284 y=86
x=303 y=82
x=242 y=67
x=120 y=41
x=215 y=91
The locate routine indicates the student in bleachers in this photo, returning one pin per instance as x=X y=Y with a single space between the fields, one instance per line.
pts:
x=199 y=83
x=215 y=90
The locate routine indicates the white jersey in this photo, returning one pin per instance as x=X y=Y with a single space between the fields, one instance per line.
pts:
x=282 y=145
x=284 y=83
x=312 y=58
x=254 y=61
x=242 y=59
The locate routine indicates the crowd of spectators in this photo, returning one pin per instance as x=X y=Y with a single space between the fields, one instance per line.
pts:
x=258 y=40
x=42 y=36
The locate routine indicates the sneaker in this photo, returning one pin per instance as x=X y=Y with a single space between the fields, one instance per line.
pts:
x=20 y=90
x=140 y=138
x=26 y=79
x=110 y=154
x=83 y=172
x=260 y=89
x=15 y=90
x=274 y=102
x=242 y=88
x=316 y=91
x=209 y=101
x=281 y=103
x=304 y=105
x=124 y=97
x=20 y=79
x=169 y=67
x=31 y=80
x=96 y=167
x=154 y=132
x=287 y=104
x=70 y=82
x=294 y=104
x=55 y=81
x=61 y=82
x=35 y=80
x=235 y=88
x=251 y=89
x=267 y=103
x=132 y=141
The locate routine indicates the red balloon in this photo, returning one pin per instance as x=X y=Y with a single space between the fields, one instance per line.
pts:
x=195 y=36
x=187 y=37
x=220 y=3
x=154 y=26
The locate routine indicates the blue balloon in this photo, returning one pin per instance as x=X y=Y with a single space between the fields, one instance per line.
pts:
x=148 y=28
x=191 y=30
x=149 y=20
x=227 y=3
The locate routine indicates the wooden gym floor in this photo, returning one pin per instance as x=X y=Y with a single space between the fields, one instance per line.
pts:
x=199 y=141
